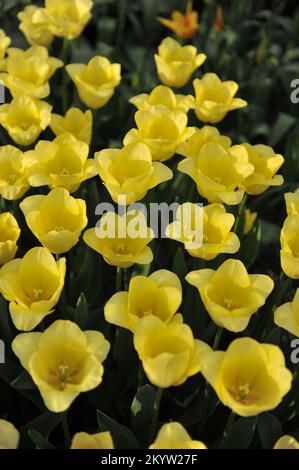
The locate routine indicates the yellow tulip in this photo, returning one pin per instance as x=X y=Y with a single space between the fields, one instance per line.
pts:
x=292 y=202
x=10 y=233
x=100 y=440
x=266 y=163
x=9 y=435
x=28 y=72
x=5 y=42
x=214 y=98
x=249 y=377
x=289 y=240
x=56 y=219
x=287 y=315
x=68 y=18
x=219 y=172
x=287 y=442
x=216 y=230
x=122 y=240
x=24 y=118
x=231 y=295
x=184 y=26
x=163 y=95
x=159 y=294
x=250 y=218
x=75 y=122
x=161 y=129
x=63 y=361
x=130 y=172
x=168 y=351
x=96 y=81
x=35 y=26
x=13 y=173
x=176 y=63
x=206 y=135
x=63 y=162
x=33 y=286
x=174 y=436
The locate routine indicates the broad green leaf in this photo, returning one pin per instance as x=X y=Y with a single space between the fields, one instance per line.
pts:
x=122 y=436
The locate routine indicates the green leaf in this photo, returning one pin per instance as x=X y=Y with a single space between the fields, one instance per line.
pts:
x=123 y=438
x=241 y=434
x=142 y=411
x=179 y=265
x=250 y=246
x=23 y=382
x=44 y=424
x=81 y=312
x=270 y=429
x=283 y=124
x=38 y=440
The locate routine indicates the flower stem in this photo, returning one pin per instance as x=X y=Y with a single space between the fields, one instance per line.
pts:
x=65 y=58
x=242 y=207
x=154 y=422
x=217 y=338
x=118 y=279
x=66 y=431
x=229 y=424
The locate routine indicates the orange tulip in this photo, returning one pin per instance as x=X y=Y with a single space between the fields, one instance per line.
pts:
x=219 y=22
x=184 y=26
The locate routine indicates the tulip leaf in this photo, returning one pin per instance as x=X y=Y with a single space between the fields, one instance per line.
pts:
x=179 y=265
x=241 y=434
x=123 y=438
x=142 y=411
x=38 y=440
x=81 y=312
x=250 y=246
x=269 y=429
x=23 y=382
x=283 y=124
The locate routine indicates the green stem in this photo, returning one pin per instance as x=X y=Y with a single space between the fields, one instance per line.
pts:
x=242 y=207
x=229 y=424
x=154 y=422
x=64 y=57
x=66 y=431
x=118 y=279
x=217 y=338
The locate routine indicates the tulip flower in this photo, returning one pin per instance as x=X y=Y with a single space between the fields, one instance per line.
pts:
x=287 y=315
x=10 y=233
x=5 y=42
x=184 y=26
x=9 y=435
x=35 y=25
x=13 y=173
x=159 y=294
x=174 y=436
x=219 y=172
x=57 y=230
x=24 y=118
x=68 y=18
x=161 y=130
x=165 y=96
x=28 y=72
x=266 y=163
x=206 y=135
x=249 y=377
x=292 y=202
x=287 y=442
x=216 y=225
x=130 y=172
x=63 y=162
x=176 y=63
x=231 y=295
x=96 y=81
x=250 y=218
x=289 y=240
x=214 y=98
x=100 y=440
x=32 y=285
x=75 y=122
x=121 y=240
x=63 y=361
x=168 y=351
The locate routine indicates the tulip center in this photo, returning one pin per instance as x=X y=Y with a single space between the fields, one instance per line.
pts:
x=229 y=304
x=12 y=178
x=243 y=392
x=25 y=125
x=58 y=228
x=37 y=294
x=62 y=375
x=120 y=249
x=65 y=172
x=217 y=179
